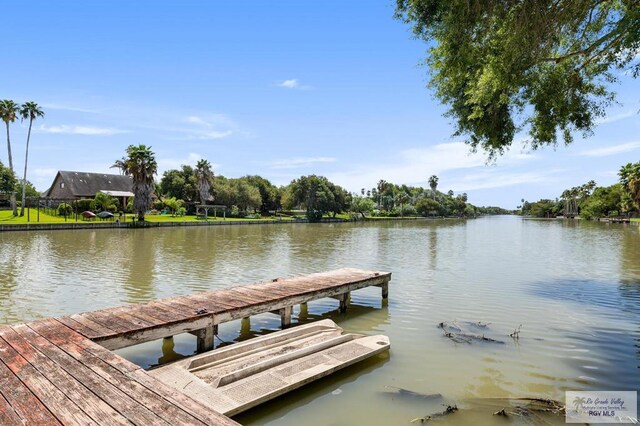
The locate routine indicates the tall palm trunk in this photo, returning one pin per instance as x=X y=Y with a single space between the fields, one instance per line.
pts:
x=14 y=207
x=24 y=178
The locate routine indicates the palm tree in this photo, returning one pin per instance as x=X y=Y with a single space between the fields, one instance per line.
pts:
x=630 y=179
x=119 y=164
x=382 y=184
x=204 y=174
x=9 y=111
x=30 y=111
x=433 y=184
x=141 y=165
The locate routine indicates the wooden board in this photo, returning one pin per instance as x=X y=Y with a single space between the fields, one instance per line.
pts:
x=52 y=375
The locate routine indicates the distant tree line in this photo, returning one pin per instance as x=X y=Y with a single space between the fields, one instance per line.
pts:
x=315 y=195
x=590 y=201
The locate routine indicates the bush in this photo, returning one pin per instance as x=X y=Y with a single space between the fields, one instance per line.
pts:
x=236 y=212
x=181 y=211
x=314 y=215
x=86 y=204
x=408 y=210
x=158 y=205
x=64 y=209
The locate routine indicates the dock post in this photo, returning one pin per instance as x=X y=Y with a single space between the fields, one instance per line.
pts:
x=304 y=311
x=285 y=316
x=205 y=338
x=344 y=301
x=385 y=290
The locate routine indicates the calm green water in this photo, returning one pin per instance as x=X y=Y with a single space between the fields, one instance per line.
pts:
x=574 y=287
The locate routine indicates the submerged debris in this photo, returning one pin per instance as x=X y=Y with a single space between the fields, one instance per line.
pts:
x=396 y=391
x=516 y=333
x=531 y=408
x=458 y=335
x=522 y=410
x=450 y=409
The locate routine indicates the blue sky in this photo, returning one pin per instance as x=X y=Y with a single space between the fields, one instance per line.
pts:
x=280 y=89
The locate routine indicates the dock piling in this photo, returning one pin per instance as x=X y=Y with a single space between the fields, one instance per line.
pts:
x=205 y=338
x=345 y=298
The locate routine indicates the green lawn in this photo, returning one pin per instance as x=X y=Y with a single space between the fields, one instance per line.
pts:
x=169 y=218
x=7 y=218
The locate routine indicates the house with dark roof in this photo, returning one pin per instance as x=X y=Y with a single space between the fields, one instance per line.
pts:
x=78 y=185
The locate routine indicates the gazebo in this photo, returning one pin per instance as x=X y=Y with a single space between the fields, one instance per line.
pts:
x=202 y=210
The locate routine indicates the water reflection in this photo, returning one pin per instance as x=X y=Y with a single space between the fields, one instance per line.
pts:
x=169 y=353
x=333 y=385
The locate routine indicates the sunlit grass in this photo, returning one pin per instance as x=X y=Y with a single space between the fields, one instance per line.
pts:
x=31 y=217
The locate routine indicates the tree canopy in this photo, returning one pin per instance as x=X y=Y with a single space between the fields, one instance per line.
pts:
x=8 y=179
x=539 y=65
x=181 y=184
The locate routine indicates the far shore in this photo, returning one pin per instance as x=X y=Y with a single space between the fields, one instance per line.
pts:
x=156 y=221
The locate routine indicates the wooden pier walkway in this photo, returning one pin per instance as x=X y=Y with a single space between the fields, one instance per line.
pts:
x=61 y=370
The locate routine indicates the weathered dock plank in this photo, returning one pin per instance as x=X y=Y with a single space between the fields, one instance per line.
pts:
x=66 y=410
x=93 y=406
x=52 y=375
x=134 y=324
x=24 y=403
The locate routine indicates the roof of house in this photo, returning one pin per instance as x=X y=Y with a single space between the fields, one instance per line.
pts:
x=83 y=184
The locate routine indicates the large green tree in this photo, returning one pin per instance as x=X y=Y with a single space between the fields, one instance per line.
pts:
x=140 y=163
x=28 y=111
x=269 y=193
x=314 y=193
x=602 y=202
x=9 y=111
x=538 y=65
x=8 y=179
x=181 y=184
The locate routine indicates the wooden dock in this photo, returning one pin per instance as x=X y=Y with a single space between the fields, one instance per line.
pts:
x=61 y=370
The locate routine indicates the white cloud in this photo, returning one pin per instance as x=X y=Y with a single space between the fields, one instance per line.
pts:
x=211 y=126
x=293 y=83
x=215 y=134
x=611 y=150
x=617 y=117
x=80 y=130
x=294 y=163
x=492 y=178
x=210 y=120
x=67 y=108
x=414 y=166
x=191 y=159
